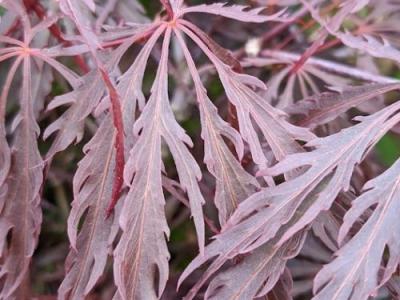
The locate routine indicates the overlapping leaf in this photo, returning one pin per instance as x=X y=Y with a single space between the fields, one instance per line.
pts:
x=92 y=189
x=280 y=135
x=258 y=219
x=233 y=183
x=325 y=107
x=79 y=12
x=262 y=227
x=143 y=219
x=257 y=273
x=22 y=176
x=83 y=100
x=376 y=47
x=360 y=259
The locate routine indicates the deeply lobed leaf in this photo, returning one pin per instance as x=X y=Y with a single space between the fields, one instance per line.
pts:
x=360 y=259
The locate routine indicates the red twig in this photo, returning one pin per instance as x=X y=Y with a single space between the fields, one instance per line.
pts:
x=329 y=45
x=118 y=125
x=118 y=143
x=168 y=8
x=317 y=46
x=40 y=12
x=309 y=52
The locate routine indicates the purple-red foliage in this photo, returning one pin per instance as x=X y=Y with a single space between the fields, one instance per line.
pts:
x=256 y=121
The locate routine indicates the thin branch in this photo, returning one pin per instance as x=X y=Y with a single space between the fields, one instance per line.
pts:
x=118 y=144
x=168 y=8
